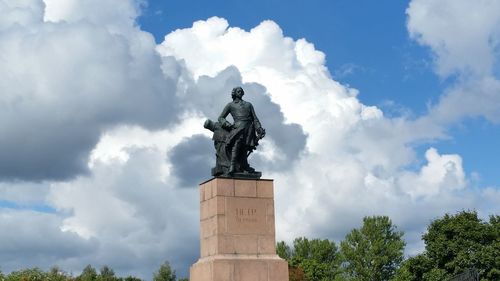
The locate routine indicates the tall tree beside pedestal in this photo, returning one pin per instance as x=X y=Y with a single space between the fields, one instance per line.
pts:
x=373 y=252
x=312 y=260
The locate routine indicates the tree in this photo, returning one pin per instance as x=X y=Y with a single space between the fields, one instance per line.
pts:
x=56 y=274
x=31 y=274
x=312 y=260
x=131 y=278
x=455 y=243
x=88 y=274
x=414 y=269
x=316 y=257
x=106 y=274
x=283 y=250
x=463 y=241
x=323 y=251
x=374 y=252
x=164 y=273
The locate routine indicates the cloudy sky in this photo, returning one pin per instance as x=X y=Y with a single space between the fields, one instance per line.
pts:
x=371 y=108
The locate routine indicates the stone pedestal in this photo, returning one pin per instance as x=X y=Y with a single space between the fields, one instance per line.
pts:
x=237 y=233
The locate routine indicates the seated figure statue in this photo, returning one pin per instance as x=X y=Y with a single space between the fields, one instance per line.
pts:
x=234 y=142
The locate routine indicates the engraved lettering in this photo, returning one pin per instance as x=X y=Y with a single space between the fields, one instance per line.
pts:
x=246 y=215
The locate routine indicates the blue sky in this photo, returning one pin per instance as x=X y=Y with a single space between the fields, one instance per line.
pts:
x=368 y=47
x=372 y=40
x=102 y=104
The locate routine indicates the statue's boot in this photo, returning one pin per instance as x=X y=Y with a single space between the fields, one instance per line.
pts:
x=249 y=169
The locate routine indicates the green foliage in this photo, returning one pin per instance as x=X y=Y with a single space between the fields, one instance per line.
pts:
x=106 y=274
x=36 y=274
x=131 y=278
x=419 y=268
x=374 y=252
x=88 y=274
x=414 y=268
x=165 y=273
x=322 y=251
x=283 y=250
x=312 y=260
x=31 y=274
x=453 y=244
x=56 y=274
x=436 y=274
x=315 y=270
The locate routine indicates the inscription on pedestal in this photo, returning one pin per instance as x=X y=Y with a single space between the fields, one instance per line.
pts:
x=246 y=216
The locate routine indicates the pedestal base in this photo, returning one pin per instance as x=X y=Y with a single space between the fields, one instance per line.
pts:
x=239 y=268
x=237 y=232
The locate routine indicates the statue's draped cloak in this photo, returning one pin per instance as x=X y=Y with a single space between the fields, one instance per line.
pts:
x=245 y=124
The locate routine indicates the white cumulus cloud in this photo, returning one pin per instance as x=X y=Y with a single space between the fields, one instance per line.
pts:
x=65 y=83
x=463 y=34
x=464 y=37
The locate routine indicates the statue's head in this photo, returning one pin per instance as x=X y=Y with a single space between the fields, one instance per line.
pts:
x=237 y=93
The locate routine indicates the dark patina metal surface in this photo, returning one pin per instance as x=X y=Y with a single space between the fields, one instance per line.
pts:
x=234 y=142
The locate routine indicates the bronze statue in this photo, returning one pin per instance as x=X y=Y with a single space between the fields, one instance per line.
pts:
x=234 y=142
